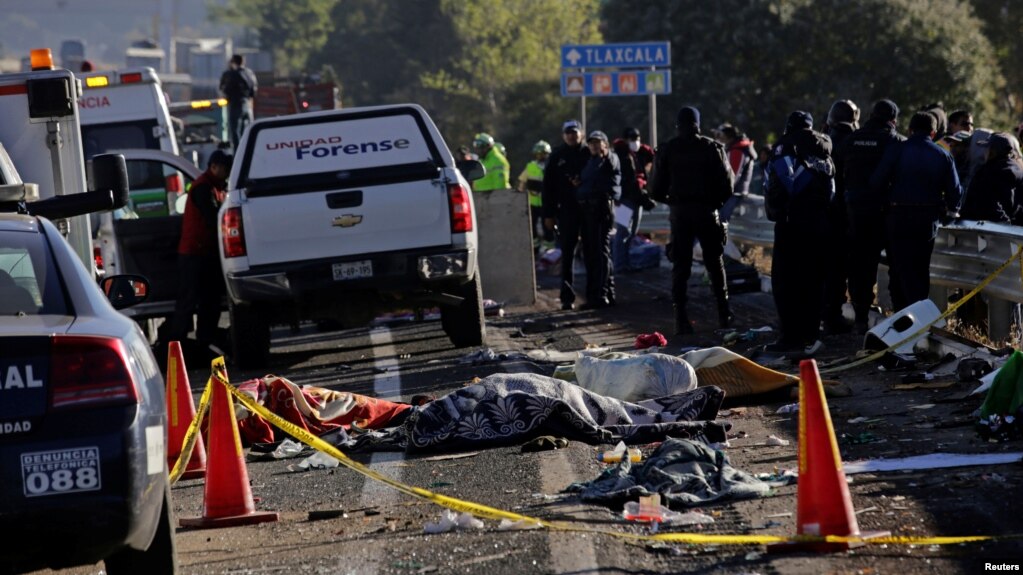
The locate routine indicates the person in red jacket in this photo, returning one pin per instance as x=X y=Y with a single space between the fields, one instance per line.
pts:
x=201 y=283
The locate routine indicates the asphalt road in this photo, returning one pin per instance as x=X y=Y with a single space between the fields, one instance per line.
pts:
x=381 y=530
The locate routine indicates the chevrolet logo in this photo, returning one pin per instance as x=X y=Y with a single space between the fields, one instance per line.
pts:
x=347 y=220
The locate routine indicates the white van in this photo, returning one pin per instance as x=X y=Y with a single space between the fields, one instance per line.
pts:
x=338 y=215
x=126 y=109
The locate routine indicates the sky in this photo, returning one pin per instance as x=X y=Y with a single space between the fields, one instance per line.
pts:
x=106 y=26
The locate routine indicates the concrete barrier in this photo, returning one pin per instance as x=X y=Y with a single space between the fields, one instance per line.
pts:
x=506 y=246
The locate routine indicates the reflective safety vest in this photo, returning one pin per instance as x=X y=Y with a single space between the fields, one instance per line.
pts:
x=532 y=179
x=497 y=172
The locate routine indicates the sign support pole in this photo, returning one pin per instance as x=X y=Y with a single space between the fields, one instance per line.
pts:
x=583 y=114
x=652 y=101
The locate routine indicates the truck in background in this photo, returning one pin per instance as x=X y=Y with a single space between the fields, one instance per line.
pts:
x=296 y=98
x=200 y=127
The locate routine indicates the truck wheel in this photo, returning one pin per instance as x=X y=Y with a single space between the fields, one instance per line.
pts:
x=464 y=323
x=159 y=558
x=250 y=337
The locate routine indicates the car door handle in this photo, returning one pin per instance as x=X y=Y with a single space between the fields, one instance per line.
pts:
x=340 y=200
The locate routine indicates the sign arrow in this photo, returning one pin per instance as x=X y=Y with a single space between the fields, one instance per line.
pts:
x=573 y=56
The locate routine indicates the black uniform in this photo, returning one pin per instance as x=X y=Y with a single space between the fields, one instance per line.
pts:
x=692 y=176
x=800 y=187
x=564 y=167
x=600 y=185
x=858 y=157
x=837 y=264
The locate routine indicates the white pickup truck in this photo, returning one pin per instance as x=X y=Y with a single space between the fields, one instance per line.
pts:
x=339 y=215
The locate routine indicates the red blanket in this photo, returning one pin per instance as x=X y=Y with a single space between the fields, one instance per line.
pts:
x=314 y=409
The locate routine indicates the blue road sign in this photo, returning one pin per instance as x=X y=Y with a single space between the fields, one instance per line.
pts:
x=625 y=55
x=632 y=83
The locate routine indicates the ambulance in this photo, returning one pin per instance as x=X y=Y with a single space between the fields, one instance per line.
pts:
x=202 y=128
x=127 y=110
x=39 y=131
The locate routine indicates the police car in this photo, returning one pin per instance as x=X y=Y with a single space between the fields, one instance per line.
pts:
x=83 y=473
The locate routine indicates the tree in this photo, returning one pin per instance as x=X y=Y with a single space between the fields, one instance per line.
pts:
x=1003 y=21
x=292 y=30
x=751 y=62
x=475 y=67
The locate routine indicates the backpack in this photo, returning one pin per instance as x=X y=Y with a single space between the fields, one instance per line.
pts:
x=813 y=186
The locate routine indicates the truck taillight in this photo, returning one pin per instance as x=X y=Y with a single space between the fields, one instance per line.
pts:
x=173 y=183
x=233 y=233
x=89 y=371
x=97 y=255
x=461 y=208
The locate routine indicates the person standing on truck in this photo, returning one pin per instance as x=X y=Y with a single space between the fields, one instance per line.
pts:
x=200 y=281
x=493 y=161
x=238 y=84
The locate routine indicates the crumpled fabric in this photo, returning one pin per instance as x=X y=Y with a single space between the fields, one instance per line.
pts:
x=509 y=409
x=645 y=340
x=686 y=474
x=635 y=378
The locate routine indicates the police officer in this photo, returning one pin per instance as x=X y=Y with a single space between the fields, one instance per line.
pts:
x=918 y=179
x=800 y=187
x=843 y=120
x=600 y=184
x=561 y=208
x=493 y=161
x=692 y=176
x=997 y=188
x=857 y=158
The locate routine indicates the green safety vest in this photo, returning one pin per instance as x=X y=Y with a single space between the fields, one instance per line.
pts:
x=534 y=172
x=497 y=172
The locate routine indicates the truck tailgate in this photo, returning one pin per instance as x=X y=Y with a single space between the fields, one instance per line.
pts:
x=339 y=223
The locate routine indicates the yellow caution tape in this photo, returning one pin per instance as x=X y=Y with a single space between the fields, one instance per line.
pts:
x=188 y=443
x=951 y=309
x=487 y=512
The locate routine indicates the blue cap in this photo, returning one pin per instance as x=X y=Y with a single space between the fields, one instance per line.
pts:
x=572 y=125
x=688 y=116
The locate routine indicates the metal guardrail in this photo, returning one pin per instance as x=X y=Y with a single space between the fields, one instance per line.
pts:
x=749 y=223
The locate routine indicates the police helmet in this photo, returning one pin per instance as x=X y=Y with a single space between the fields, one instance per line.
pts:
x=541 y=147
x=482 y=140
x=843 y=111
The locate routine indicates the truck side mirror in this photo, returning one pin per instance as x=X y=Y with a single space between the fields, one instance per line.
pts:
x=109 y=172
x=471 y=169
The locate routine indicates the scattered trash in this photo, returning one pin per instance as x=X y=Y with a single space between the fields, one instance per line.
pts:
x=859 y=439
x=972 y=368
x=450 y=456
x=483 y=355
x=778 y=515
x=922 y=406
x=327 y=514
x=449 y=521
x=544 y=443
x=753 y=556
x=786 y=477
x=649 y=510
x=931 y=461
x=318 y=460
x=772 y=440
x=520 y=525
x=492 y=308
x=866 y=510
x=646 y=340
x=866 y=420
x=616 y=454
x=288 y=448
x=790 y=408
x=927 y=385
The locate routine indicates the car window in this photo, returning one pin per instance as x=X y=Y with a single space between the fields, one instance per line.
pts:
x=29 y=281
x=100 y=138
x=154 y=189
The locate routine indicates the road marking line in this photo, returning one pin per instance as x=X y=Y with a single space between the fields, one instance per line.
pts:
x=569 y=553
x=386 y=385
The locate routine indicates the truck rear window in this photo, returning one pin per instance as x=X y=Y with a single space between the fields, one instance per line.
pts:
x=340 y=145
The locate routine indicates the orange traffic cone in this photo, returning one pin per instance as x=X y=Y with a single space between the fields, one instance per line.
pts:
x=823 y=505
x=180 y=413
x=228 y=499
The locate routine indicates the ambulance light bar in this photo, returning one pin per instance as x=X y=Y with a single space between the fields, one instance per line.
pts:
x=96 y=81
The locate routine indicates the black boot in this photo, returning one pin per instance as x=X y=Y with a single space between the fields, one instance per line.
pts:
x=682 y=325
x=725 y=316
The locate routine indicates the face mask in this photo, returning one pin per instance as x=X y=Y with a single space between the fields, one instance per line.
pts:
x=633 y=145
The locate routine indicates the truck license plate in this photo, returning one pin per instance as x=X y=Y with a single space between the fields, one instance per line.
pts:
x=353 y=270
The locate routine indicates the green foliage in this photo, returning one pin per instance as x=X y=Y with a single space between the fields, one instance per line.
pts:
x=1003 y=26
x=751 y=62
x=475 y=67
x=292 y=30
